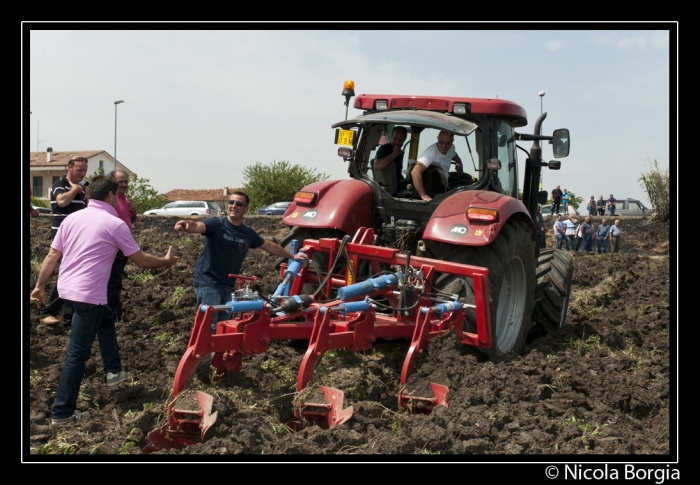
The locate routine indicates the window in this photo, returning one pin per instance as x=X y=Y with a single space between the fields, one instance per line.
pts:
x=38 y=186
x=506 y=152
x=101 y=164
x=55 y=179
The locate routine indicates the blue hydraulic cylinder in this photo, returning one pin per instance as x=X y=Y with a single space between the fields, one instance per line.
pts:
x=442 y=308
x=293 y=268
x=367 y=286
x=351 y=306
x=238 y=306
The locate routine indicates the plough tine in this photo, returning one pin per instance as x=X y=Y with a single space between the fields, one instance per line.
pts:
x=185 y=426
x=325 y=415
x=425 y=405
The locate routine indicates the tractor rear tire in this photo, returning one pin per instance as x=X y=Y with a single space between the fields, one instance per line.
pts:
x=555 y=272
x=510 y=259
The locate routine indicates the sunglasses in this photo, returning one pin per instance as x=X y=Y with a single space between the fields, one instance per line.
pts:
x=237 y=202
x=445 y=143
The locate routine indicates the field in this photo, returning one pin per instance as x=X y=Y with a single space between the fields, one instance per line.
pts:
x=602 y=385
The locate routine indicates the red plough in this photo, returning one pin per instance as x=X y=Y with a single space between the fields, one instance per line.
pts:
x=398 y=301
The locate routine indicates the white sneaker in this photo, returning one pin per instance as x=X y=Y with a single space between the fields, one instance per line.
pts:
x=114 y=379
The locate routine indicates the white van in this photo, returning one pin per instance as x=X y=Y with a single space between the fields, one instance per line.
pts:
x=185 y=208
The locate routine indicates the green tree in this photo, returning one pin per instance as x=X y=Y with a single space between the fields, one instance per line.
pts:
x=143 y=195
x=574 y=200
x=140 y=192
x=273 y=182
x=656 y=183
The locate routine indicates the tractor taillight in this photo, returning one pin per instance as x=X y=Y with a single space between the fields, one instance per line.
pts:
x=305 y=197
x=482 y=214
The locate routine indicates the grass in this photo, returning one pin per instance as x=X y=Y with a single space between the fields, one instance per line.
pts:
x=34 y=378
x=279 y=370
x=582 y=346
x=58 y=445
x=141 y=276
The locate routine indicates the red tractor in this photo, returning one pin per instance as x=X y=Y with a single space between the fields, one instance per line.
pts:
x=474 y=217
x=396 y=257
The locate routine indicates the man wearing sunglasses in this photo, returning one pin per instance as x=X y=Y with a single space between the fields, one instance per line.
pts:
x=441 y=154
x=226 y=243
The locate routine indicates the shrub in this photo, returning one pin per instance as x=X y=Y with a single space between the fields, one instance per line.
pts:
x=656 y=184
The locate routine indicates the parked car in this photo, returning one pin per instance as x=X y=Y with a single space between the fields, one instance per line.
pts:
x=630 y=207
x=276 y=209
x=42 y=210
x=185 y=208
x=547 y=210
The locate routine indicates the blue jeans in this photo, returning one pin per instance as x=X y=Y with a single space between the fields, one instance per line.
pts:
x=602 y=241
x=561 y=237
x=612 y=210
x=587 y=245
x=88 y=321
x=214 y=295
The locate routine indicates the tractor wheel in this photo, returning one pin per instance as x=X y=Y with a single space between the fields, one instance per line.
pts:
x=510 y=259
x=321 y=259
x=555 y=271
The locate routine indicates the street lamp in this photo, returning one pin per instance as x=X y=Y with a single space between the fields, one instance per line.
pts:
x=118 y=101
x=542 y=93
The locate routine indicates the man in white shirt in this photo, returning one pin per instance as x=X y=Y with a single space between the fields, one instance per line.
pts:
x=441 y=154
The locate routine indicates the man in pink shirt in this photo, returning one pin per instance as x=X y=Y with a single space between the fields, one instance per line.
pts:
x=126 y=211
x=82 y=282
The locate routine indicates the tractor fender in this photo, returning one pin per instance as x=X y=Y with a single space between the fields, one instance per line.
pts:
x=340 y=204
x=449 y=223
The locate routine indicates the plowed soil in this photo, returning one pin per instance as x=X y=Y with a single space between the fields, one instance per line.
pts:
x=603 y=385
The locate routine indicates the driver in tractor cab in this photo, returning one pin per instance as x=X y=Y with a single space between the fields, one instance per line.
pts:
x=441 y=154
x=392 y=153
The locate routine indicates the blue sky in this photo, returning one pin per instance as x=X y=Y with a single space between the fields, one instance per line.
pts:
x=201 y=105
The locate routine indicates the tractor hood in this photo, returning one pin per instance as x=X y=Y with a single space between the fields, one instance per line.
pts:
x=426 y=119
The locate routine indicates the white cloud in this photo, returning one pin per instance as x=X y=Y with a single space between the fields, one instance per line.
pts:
x=660 y=40
x=629 y=42
x=555 y=45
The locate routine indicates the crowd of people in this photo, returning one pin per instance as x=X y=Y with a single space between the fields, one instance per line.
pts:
x=88 y=287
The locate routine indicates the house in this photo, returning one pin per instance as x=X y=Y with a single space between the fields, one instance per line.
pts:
x=47 y=167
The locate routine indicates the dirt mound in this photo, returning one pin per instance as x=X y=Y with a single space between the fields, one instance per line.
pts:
x=600 y=385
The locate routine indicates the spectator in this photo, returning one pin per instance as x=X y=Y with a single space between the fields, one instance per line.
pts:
x=602 y=233
x=32 y=211
x=83 y=283
x=226 y=243
x=591 y=206
x=540 y=228
x=556 y=199
x=570 y=224
x=587 y=231
x=614 y=235
x=601 y=206
x=565 y=197
x=579 y=236
x=67 y=197
x=126 y=211
x=611 y=205
x=441 y=154
x=560 y=233
x=392 y=152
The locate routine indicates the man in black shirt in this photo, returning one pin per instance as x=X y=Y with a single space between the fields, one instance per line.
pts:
x=67 y=196
x=556 y=199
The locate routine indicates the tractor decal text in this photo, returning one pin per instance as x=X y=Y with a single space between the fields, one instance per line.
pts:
x=459 y=230
x=309 y=214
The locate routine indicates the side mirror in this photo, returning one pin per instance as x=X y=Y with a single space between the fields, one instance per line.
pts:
x=554 y=165
x=560 y=143
x=502 y=140
x=541 y=197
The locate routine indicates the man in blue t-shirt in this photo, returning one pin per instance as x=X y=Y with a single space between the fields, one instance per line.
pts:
x=226 y=243
x=391 y=152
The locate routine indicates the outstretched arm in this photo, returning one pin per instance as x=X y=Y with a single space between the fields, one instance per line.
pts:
x=190 y=227
x=277 y=250
x=145 y=260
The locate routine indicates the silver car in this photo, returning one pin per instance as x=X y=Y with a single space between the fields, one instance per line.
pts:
x=185 y=208
x=630 y=207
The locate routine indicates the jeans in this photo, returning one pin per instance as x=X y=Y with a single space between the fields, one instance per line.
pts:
x=114 y=285
x=587 y=244
x=88 y=321
x=612 y=210
x=214 y=295
x=541 y=240
x=561 y=237
x=555 y=207
x=602 y=241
